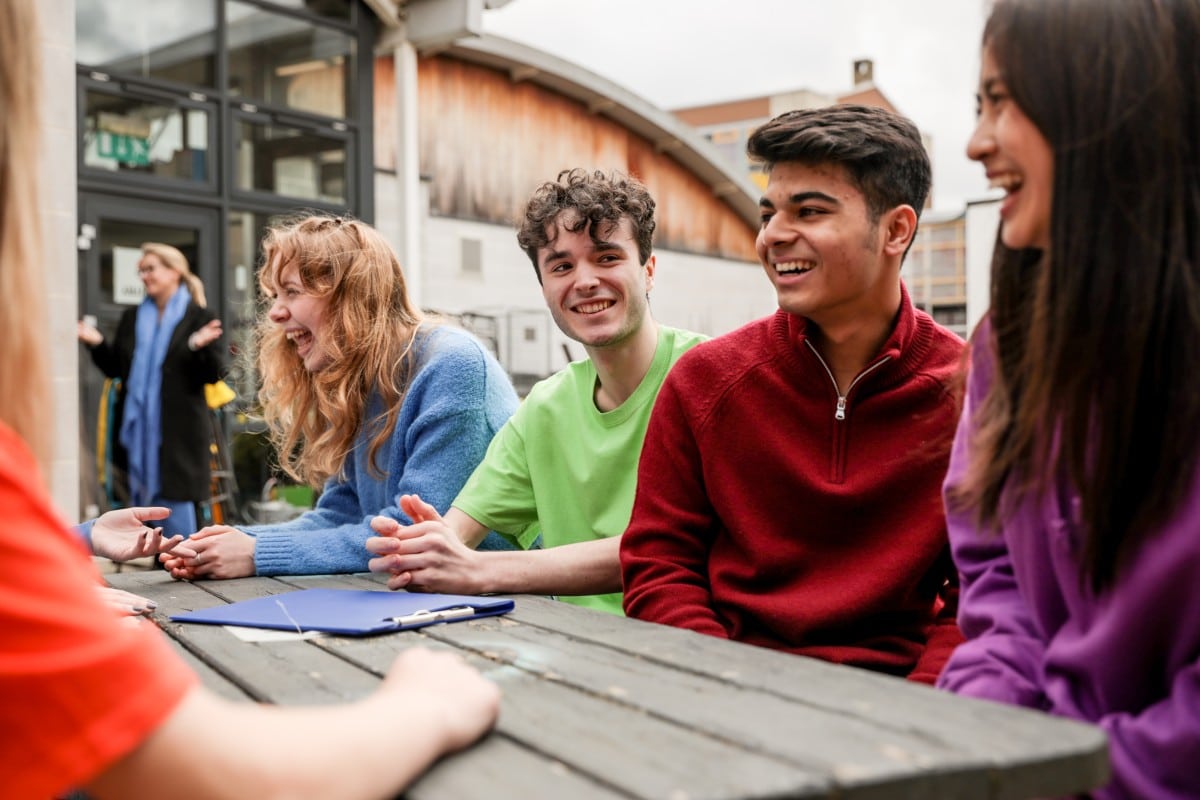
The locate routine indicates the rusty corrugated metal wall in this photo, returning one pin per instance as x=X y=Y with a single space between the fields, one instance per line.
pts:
x=486 y=143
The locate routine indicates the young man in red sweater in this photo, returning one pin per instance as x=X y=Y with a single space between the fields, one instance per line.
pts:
x=789 y=484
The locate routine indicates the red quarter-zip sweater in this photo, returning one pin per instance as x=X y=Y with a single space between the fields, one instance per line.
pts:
x=772 y=511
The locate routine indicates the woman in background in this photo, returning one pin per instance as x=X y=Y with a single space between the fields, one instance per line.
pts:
x=164 y=354
x=362 y=396
x=103 y=702
x=1073 y=494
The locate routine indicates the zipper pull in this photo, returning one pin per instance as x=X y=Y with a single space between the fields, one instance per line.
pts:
x=840 y=414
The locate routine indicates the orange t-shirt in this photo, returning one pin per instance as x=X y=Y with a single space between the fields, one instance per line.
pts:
x=80 y=687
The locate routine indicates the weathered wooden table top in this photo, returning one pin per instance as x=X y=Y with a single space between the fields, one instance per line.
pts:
x=597 y=706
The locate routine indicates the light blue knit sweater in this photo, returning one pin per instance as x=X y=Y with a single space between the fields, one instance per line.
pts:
x=458 y=399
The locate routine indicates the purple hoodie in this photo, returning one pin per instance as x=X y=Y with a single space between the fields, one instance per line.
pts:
x=1128 y=660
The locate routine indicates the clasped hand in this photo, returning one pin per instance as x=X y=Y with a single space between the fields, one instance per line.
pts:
x=427 y=556
x=218 y=551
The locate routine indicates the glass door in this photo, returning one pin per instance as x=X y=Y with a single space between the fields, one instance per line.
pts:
x=112 y=230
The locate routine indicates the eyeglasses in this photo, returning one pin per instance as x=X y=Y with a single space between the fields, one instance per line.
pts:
x=147 y=269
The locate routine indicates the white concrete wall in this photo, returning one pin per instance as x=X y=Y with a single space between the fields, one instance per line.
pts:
x=58 y=241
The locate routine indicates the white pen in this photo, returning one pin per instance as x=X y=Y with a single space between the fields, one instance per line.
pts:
x=439 y=615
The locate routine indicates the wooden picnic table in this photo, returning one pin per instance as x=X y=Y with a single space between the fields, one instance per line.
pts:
x=597 y=706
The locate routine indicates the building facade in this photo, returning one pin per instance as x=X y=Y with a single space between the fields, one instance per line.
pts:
x=198 y=122
x=496 y=119
x=935 y=270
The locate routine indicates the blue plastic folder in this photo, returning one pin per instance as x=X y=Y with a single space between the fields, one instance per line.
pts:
x=351 y=612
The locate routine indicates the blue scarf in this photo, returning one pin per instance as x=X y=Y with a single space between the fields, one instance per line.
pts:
x=141 y=426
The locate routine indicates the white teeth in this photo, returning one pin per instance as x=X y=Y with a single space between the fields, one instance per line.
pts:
x=592 y=308
x=1008 y=182
x=791 y=267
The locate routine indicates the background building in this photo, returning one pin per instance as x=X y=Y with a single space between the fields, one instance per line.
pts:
x=198 y=122
x=728 y=124
x=496 y=119
x=935 y=269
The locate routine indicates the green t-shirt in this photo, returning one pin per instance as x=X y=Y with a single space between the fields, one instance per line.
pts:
x=565 y=469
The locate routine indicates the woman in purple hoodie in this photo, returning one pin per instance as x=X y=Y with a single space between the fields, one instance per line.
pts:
x=1073 y=495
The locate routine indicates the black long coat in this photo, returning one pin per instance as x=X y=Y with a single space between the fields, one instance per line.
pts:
x=184 y=456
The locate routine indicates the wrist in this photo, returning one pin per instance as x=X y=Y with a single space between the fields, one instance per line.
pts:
x=496 y=571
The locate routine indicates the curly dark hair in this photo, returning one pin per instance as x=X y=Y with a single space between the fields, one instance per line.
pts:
x=881 y=152
x=599 y=202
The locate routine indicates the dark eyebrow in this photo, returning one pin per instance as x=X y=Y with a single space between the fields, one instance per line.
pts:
x=598 y=245
x=804 y=197
x=800 y=198
x=552 y=256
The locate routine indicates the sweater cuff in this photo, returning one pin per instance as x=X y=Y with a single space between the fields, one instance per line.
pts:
x=84 y=530
x=272 y=553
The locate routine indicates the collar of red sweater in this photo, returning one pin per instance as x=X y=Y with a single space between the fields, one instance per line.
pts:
x=907 y=346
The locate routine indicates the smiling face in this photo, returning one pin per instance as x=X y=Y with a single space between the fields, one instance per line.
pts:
x=301 y=315
x=1017 y=158
x=828 y=261
x=595 y=290
x=159 y=280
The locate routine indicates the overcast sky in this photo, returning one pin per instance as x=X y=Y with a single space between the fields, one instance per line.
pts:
x=688 y=52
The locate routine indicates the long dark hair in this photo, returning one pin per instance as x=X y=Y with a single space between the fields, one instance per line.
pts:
x=1097 y=339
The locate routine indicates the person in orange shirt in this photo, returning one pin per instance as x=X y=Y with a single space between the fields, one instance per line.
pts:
x=102 y=702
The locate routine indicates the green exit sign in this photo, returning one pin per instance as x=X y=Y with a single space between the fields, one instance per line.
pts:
x=123 y=148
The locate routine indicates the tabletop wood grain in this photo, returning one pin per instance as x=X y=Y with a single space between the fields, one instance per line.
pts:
x=598 y=706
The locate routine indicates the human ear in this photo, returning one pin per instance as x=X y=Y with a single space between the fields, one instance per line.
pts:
x=899 y=226
x=650 y=266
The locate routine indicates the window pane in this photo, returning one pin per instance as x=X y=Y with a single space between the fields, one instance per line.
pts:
x=946 y=263
x=950 y=315
x=120 y=244
x=943 y=234
x=130 y=135
x=945 y=291
x=286 y=62
x=290 y=161
x=246 y=230
x=171 y=40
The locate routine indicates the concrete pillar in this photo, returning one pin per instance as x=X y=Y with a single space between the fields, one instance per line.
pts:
x=59 y=230
x=408 y=169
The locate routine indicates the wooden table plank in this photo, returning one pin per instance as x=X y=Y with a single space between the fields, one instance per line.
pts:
x=475 y=773
x=599 y=706
x=215 y=681
x=636 y=753
x=858 y=753
x=287 y=673
x=499 y=768
x=1067 y=752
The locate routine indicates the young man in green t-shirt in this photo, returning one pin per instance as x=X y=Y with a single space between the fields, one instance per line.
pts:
x=565 y=465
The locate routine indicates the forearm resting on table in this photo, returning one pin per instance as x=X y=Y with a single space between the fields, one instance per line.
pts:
x=570 y=569
x=576 y=569
x=371 y=748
